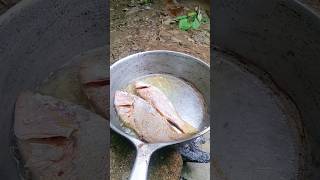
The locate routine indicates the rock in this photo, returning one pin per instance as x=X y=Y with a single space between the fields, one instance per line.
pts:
x=191 y=151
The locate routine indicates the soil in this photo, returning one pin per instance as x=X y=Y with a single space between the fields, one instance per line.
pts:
x=166 y=164
x=135 y=28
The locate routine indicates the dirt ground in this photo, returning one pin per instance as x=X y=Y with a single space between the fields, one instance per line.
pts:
x=135 y=28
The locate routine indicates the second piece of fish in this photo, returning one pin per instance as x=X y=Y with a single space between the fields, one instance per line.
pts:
x=164 y=106
x=144 y=119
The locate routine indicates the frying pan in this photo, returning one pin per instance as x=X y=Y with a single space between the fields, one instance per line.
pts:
x=281 y=39
x=179 y=65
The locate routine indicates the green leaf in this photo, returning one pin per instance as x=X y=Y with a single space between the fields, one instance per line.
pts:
x=195 y=24
x=184 y=24
x=199 y=17
x=181 y=17
x=192 y=14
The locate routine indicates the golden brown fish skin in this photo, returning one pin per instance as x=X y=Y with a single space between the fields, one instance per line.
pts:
x=143 y=118
x=164 y=106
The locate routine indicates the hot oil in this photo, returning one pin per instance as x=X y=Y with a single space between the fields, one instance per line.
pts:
x=163 y=82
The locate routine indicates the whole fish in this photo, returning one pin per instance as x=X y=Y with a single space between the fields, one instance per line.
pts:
x=163 y=105
x=59 y=140
x=144 y=119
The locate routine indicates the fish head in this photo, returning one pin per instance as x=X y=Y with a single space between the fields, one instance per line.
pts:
x=123 y=99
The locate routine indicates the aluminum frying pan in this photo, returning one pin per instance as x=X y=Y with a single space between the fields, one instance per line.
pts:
x=186 y=68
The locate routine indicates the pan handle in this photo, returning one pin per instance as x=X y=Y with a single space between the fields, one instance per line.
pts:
x=140 y=167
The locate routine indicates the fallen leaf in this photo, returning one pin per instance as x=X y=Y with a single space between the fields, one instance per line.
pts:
x=184 y=24
x=192 y=14
x=195 y=24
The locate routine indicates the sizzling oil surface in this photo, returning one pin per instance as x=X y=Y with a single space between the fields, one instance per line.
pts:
x=185 y=98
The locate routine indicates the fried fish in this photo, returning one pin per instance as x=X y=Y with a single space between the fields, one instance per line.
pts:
x=144 y=119
x=160 y=101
